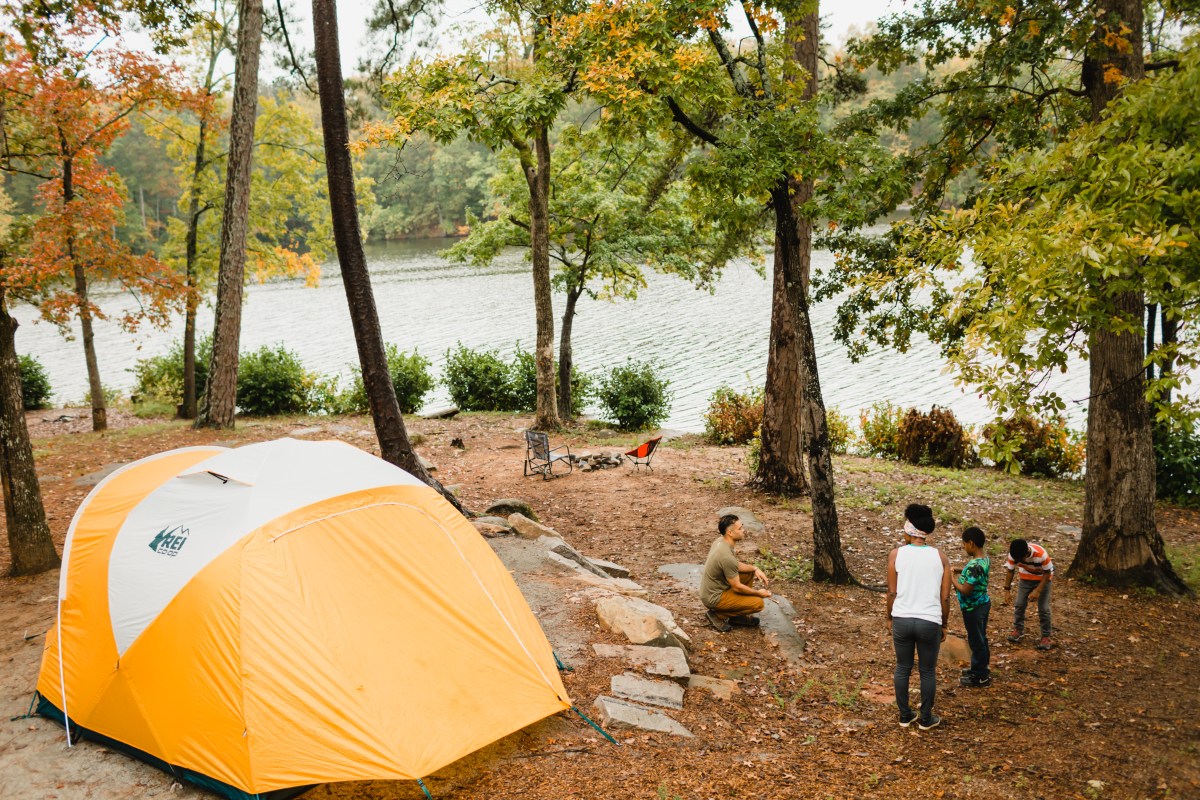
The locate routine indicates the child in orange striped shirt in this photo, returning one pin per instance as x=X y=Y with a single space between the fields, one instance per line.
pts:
x=1033 y=565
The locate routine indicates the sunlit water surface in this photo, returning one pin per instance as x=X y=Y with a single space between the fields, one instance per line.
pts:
x=701 y=339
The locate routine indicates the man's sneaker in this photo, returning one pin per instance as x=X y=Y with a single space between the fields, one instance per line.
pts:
x=745 y=621
x=975 y=682
x=905 y=721
x=933 y=721
x=718 y=623
x=1015 y=636
x=1045 y=644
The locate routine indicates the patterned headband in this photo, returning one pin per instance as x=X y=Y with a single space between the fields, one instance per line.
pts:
x=913 y=530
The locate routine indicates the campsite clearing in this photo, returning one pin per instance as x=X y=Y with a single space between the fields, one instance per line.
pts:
x=1112 y=712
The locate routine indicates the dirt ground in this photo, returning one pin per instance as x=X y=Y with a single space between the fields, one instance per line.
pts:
x=1111 y=712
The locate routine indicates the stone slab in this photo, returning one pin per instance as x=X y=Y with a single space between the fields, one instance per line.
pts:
x=640 y=621
x=93 y=478
x=719 y=688
x=529 y=528
x=306 y=431
x=669 y=662
x=556 y=544
x=444 y=412
x=511 y=505
x=619 y=585
x=613 y=570
x=750 y=521
x=617 y=714
x=628 y=686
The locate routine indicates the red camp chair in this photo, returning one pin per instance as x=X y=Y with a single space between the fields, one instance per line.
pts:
x=642 y=454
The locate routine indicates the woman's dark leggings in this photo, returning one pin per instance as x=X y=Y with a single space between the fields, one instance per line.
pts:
x=925 y=638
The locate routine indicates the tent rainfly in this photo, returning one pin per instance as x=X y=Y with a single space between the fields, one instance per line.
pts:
x=259 y=620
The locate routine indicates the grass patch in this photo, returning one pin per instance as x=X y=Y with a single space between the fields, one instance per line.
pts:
x=1185 y=558
x=786 y=568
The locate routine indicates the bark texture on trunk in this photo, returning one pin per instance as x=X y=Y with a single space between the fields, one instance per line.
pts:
x=1120 y=544
x=29 y=542
x=781 y=456
x=84 y=308
x=187 y=410
x=220 y=396
x=565 y=399
x=537 y=176
x=394 y=445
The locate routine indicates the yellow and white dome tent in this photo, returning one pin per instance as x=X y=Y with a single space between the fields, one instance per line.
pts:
x=288 y=613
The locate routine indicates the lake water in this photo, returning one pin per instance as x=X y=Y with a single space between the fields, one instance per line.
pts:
x=701 y=339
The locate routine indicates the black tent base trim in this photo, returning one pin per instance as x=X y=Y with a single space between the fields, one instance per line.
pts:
x=50 y=711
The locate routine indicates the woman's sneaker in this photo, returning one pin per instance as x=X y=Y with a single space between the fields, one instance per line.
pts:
x=933 y=721
x=909 y=720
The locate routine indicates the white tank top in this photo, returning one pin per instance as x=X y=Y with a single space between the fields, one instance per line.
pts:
x=918 y=583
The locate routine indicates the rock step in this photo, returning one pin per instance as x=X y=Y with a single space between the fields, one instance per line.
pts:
x=669 y=662
x=617 y=714
x=643 y=690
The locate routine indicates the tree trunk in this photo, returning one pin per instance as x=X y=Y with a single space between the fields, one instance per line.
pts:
x=781 y=457
x=29 y=542
x=188 y=408
x=220 y=395
x=565 y=400
x=84 y=306
x=829 y=565
x=538 y=179
x=394 y=445
x=1120 y=544
x=1151 y=321
x=1170 y=335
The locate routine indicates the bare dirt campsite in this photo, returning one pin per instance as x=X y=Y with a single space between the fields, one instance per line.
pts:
x=1111 y=712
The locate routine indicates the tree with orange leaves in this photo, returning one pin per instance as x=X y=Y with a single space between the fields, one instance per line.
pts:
x=56 y=121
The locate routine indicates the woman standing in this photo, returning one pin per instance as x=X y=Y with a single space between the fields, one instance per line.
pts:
x=918 y=607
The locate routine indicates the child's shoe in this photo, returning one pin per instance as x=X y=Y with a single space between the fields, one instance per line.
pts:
x=1045 y=644
x=1015 y=636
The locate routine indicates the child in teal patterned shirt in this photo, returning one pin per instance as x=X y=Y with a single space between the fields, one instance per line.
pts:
x=973 y=599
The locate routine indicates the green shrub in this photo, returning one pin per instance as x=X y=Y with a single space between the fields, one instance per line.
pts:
x=411 y=380
x=1177 y=464
x=934 y=439
x=522 y=383
x=633 y=396
x=733 y=417
x=158 y=380
x=35 y=384
x=841 y=433
x=1027 y=445
x=754 y=453
x=880 y=430
x=478 y=380
x=271 y=380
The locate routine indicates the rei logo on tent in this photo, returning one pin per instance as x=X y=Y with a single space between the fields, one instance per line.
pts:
x=169 y=541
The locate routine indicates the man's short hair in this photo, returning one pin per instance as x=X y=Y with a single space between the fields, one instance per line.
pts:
x=1019 y=549
x=974 y=536
x=920 y=516
x=724 y=522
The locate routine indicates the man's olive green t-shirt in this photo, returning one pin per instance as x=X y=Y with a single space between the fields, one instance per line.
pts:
x=720 y=568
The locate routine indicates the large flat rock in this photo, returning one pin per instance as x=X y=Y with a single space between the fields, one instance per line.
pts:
x=617 y=714
x=669 y=662
x=618 y=585
x=640 y=621
x=643 y=690
x=93 y=478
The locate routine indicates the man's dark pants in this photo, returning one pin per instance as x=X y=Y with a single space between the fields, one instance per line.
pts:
x=976 y=621
x=925 y=638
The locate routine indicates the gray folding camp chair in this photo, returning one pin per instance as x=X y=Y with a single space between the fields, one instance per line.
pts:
x=540 y=458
